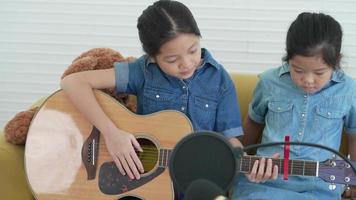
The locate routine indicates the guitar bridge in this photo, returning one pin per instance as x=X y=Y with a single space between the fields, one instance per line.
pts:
x=90 y=151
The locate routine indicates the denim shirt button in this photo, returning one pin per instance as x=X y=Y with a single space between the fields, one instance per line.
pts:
x=206 y=105
x=157 y=96
x=182 y=108
x=300 y=133
x=184 y=87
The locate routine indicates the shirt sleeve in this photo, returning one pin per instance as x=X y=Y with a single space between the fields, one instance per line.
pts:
x=129 y=77
x=258 y=107
x=228 y=117
x=350 y=120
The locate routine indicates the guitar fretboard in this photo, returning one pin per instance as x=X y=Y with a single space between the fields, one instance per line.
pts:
x=295 y=167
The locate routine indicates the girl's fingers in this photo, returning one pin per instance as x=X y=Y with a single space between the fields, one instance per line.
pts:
x=136 y=144
x=137 y=161
x=118 y=165
x=275 y=172
x=268 y=172
x=132 y=166
x=126 y=167
x=276 y=155
x=252 y=175
x=261 y=169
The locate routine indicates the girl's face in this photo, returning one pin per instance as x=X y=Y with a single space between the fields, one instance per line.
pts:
x=181 y=56
x=309 y=73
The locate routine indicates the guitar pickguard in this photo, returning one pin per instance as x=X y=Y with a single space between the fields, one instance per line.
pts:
x=112 y=182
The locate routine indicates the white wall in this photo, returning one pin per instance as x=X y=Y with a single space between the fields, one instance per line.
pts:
x=39 y=38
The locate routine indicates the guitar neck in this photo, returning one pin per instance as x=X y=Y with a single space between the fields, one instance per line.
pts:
x=295 y=167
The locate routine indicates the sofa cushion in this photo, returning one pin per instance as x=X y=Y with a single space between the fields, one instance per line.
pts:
x=13 y=184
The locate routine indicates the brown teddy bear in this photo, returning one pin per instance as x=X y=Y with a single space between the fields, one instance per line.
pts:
x=98 y=58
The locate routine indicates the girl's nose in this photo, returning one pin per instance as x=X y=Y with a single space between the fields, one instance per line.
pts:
x=184 y=64
x=308 y=79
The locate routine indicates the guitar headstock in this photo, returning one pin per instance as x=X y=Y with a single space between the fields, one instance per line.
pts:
x=337 y=171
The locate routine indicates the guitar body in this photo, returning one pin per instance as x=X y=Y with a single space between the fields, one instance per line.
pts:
x=65 y=159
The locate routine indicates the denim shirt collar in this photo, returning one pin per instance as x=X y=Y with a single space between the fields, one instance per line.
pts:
x=205 y=55
x=337 y=76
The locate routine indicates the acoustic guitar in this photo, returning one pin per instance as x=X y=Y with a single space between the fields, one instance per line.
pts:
x=65 y=159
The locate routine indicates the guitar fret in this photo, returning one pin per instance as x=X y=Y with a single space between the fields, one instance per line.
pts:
x=310 y=168
x=164 y=155
x=240 y=167
x=249 y=168
x=168 y=155
x=291 y=169
x=297 y=168
x=160 y=157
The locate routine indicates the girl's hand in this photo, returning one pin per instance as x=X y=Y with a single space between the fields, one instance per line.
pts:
x=350 y=193
x=263 y=170
x=121 y=146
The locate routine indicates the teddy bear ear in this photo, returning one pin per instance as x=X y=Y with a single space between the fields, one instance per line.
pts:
x=83 y=64
x=89 y=53
x=16 y=129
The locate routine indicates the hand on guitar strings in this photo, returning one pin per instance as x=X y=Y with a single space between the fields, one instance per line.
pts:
x=121 y=145
x=263 y=170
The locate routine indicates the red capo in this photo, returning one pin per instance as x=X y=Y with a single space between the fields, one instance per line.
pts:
x=286 y=158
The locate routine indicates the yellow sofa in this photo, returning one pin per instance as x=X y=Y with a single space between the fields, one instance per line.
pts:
x=13 y=183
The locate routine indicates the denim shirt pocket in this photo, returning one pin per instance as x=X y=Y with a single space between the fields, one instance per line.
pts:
x=204 y=112
x=327 y=119
x=279 y=116
x=155 y=100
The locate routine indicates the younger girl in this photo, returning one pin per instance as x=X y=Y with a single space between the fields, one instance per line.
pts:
x=309 y=98
x=175 y=73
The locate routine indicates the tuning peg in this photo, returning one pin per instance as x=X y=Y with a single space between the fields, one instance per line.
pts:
x=347 y=165
x=332 y=177
x=332 y=186
x=334 y=157
x=347 y=179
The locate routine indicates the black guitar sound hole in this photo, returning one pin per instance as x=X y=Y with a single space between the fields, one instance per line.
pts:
x=149 y=156
x=130 y=198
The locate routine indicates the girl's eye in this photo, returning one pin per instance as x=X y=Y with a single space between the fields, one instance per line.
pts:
x=193 y=51
x=171 y=61
x=320 y=73
x=298 y=71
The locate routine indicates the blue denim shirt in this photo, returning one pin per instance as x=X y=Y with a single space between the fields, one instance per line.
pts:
x=315 y=118
x=208 y=98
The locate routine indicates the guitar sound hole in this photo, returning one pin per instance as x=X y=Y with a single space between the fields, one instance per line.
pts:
x=129 y=198
x=149 y=156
